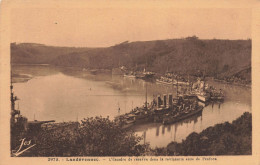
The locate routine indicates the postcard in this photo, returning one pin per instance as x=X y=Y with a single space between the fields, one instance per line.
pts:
x=133 y=82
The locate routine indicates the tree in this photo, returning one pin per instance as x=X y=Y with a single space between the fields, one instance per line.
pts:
x=93 y=137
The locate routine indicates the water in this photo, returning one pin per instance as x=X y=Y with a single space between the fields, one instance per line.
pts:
x=68 y=94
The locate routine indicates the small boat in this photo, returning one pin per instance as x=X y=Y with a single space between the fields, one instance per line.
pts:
x=145 y=75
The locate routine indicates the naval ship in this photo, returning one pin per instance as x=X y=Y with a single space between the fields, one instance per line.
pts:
x=21 y=128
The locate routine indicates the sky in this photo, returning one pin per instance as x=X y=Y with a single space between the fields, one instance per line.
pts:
x=102 y=27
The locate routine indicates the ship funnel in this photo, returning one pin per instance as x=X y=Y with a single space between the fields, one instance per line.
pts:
x=164 y=100
x=170 y=100
x=158 y=101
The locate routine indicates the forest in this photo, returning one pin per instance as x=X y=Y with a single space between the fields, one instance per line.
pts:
x=228 y=60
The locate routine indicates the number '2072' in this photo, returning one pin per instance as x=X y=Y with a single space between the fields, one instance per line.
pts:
x=53 y=159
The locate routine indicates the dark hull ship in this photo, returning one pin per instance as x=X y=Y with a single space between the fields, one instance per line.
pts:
x=169 y=110
x=145 y=75
x=182 y=115
x=164 y=110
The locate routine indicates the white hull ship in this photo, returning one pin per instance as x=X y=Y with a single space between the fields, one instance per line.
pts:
x=129 y=76
x=203 y=97
x=169 y=82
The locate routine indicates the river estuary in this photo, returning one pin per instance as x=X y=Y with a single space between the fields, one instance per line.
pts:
x=70 y=94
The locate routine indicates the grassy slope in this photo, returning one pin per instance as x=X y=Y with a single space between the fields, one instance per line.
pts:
x=30 y=53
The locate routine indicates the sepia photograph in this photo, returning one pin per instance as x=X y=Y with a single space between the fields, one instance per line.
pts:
x=130 y=81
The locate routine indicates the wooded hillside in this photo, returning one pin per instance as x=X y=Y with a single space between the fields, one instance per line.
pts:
x=217 y=58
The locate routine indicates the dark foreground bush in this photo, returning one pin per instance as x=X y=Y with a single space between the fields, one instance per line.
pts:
x=222 y=139
x=93 y=137
x=102 y=137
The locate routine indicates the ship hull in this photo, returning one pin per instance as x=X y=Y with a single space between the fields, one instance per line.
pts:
x=128 y=125
x=176 y=119
x=164 y=82
x=183 y=83
x=171 y=83
x=130 y=76
x=203 y=98
x=217 y=98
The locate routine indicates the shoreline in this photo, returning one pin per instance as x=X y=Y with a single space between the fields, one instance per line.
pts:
x=235 y=84
x=107 y=71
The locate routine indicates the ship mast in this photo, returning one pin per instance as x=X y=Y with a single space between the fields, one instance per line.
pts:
x=204 y=85
x=14 y=112
x=177 y=86
x=13 y=98
x=118 y=108
x=190 y=86
x=145 y=95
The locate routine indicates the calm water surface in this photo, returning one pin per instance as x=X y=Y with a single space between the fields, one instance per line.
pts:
x=65 y=94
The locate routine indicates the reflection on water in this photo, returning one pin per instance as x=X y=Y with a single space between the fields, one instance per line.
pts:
x=161 y=135
x=65 y=94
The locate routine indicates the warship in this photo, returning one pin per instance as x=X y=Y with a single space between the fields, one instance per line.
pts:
x=171 y=79
x=130 y=75
x=21 y=123
x=21 y=128
x=164 y=109
x=205 y=93
x=145 y=75
x=182 y=112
